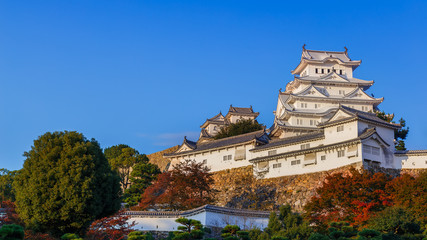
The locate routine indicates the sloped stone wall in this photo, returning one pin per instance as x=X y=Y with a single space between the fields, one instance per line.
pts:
x=239 y=189
x=158 y=159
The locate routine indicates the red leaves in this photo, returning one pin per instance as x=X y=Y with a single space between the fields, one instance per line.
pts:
x=186 y=186
x=10 y=216
x=353 y=197
x=115 y=227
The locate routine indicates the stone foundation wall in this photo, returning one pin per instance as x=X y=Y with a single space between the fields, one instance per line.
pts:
x=238 y=188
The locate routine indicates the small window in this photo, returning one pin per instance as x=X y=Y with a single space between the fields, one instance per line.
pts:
x=299 y=122
x=323 y=158
x=340 y=72
x=317 y=70
x=341 y=153
x=341 y=92
x=312 y=122
x=323 y=71
x=303 y=105
x=329 y=70
x=272 y=152
x=335 y=70
x=277 y=165
x=305 y=146
x=227 y=157
x=295 y=162
x=316 y=105
x=340 y=128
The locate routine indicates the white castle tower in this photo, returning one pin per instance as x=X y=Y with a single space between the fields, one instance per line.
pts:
x=323 y=80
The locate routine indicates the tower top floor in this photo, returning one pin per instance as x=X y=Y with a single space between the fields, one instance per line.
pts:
x=316 y=63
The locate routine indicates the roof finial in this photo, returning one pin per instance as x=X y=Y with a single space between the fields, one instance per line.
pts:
x=303 y=46
x=345 y=49
x=280 y=90
x=250 y=106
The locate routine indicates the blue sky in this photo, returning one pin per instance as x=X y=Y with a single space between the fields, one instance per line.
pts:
x=146 y=73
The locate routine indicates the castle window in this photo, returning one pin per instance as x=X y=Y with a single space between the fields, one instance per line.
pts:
x=277 y=165
x=341 y=153
x=329 y=70
x=305 y=146
x=303 y=105
x=317 y=70
x=341 y=92
x=323 y=71
x=323 y=158
x=272 y=152
x=340 y=72
x=295 y=162
x=316 y=105
x=299 y=122
x=340 y=128
x=227 y=157
x=312 y=122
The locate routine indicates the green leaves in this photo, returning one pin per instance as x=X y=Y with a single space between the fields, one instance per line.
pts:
x=65 y=184
x=241 y=127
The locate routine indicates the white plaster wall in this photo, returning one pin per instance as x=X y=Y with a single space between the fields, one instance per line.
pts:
x=285 y=149
x=332 y=161
x=412 y=161
x=215 y=158
x=209 y=219
x=333 y=136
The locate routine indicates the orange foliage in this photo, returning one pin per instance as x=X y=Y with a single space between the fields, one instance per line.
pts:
x=30 y=235
x=353 y=197
x=10 y=216
x=186 y=186
x=115 y=227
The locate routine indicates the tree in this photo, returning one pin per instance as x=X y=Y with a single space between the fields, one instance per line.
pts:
x=11 y=232
x=31 y=235
x=9 y=215
x=399 y=134
x=65 y=184
x=115 y=227
x=6 y=189
x=137 y=235
x=353 y=197
x=287 y=225
x=191 y=229
x=411 y=193
x=142 y=176
x=395 y=220
x=233 y=232
x=240 y=127
x=187 y=185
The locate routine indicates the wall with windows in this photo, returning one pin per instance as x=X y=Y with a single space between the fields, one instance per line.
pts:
x=309 y=163
x=325 y=68
x=220 y=159
x=412 y=161
x=341 y=132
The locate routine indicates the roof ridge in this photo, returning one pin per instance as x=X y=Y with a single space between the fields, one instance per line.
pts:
x=236 y=136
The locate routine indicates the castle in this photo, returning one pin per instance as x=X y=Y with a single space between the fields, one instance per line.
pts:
x=324 y=120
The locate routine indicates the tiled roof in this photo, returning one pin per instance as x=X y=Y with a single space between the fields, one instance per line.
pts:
x=321 y=80
x=225 y=142
x=411 y=152
x=361 y=115
x=240 y=110
x=316 y=55
x=289 y=140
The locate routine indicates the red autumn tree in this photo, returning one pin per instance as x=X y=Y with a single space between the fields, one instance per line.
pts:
x=187 y=185
x=115 y=227
x=411 y=193
x=31 y=235
x=10 y=216
x=353 y=197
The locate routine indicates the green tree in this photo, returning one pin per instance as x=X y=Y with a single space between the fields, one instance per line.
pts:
x=233 y=232
x=190 y=229
x=240 y=127
x=288 y=225
x=399 y=134
x=65 y=184
x=6 y=189
x=11 y=232
x=73 y=236
x=137 y=235
x=142 y=176
x=395 y=220
x=366 y=234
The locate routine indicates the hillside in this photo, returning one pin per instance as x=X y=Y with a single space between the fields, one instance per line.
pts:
x=158 y=159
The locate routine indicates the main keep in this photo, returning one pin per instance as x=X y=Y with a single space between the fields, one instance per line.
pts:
x=324 y=120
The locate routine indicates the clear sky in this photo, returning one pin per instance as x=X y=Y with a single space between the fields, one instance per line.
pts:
x=146 y=73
